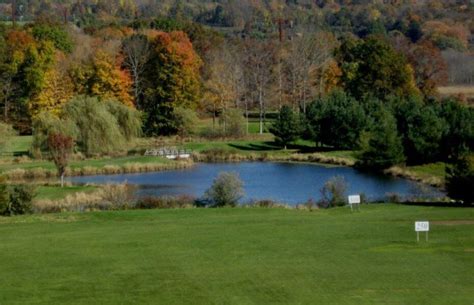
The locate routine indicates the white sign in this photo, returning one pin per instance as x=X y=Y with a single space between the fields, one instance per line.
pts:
x=354 y=199
x=422 y=226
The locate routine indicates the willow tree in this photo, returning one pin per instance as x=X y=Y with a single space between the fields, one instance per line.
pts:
x=102 y=127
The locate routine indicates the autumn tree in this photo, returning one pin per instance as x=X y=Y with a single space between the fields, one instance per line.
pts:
x=430 y=68
x=58 y=88
x=27 y=60
x=60 y=147
x=225 y=82
x=172 y=78
x=108 y=81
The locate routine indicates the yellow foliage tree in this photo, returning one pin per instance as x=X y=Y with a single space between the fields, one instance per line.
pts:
x=57 y=90
x=107 y=80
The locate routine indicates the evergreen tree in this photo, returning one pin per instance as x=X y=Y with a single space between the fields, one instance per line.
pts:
x=287 y=126
x=460 y=179
x=382 y=147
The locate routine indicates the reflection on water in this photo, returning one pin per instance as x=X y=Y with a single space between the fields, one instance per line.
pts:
x=283 y=182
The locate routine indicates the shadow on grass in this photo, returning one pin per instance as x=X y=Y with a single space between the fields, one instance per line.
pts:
x=265 y=146
x=274 y=146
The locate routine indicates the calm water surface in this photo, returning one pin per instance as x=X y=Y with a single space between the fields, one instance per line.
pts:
x=284 y=182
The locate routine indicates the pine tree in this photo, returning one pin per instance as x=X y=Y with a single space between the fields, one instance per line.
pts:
x=382 y=147
x=287 y=126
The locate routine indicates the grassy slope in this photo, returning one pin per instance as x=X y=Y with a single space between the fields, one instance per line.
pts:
x=238 y=256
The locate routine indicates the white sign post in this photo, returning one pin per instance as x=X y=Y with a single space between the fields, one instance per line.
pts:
x=354 y=200
x=422 y=226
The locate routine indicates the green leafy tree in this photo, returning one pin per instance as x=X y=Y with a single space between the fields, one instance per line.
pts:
x=286 y=128
x=421 y=130
x=336 y=120
x=100 y=129
x=371 y=67
x=458 y=139
x=381 y=147
x=54 y=33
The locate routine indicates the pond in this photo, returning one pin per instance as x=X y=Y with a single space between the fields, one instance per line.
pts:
x=283 y=182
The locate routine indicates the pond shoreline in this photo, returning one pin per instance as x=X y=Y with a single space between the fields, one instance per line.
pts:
x=22 y=174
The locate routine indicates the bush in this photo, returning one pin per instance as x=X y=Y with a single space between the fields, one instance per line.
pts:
x=4 y=197
x=120 y=196
x=333 y=192
x=20 y=199
x=226 y=190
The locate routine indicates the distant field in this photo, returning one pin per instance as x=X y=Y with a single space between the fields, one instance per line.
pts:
x=239 y=256
x=468 y=91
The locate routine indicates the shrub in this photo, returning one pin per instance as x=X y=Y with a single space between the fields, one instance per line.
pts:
x=20 y=199
x=4 y=198
x=333 y=192
x=119 y=196
x=226 y=190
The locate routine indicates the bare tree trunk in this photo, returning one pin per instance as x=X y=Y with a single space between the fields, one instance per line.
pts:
x=246 y=116
x=304 y=95
x=62 y=179
x=224 y=115
x=5 y=110
x=14 y=13
x=280 y=85
x=214 y=117
x=260 y=101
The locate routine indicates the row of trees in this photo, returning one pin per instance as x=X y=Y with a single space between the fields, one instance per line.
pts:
x=387 y=133
x=159 y=66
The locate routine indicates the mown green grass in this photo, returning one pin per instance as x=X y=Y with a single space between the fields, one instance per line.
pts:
x=429 y=170
x=57 y=192
x=19 y=145
x=254 y=125
x=238 y=256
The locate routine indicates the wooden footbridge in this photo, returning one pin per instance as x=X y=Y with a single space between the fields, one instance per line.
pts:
x=169 y=153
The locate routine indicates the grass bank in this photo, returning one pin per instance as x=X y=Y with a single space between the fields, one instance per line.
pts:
x=238 y=256
x=251 y=148
x=104 y=166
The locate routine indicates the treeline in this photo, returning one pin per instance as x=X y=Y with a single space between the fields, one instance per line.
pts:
x=169 y=64
x=385 y=133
